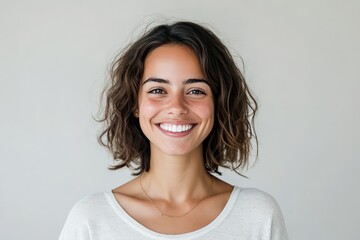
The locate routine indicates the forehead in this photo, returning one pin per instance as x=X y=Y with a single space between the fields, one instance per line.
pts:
x=172 y=61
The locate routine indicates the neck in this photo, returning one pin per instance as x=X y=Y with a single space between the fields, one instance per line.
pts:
x=177 y=178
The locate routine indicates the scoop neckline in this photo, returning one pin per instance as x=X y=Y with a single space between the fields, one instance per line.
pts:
x=120 y=211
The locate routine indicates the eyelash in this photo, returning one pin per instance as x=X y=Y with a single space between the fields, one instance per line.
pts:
x=196 y=92
x=156 y=91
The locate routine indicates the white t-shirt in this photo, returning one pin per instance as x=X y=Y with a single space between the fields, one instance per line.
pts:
x=248 y=215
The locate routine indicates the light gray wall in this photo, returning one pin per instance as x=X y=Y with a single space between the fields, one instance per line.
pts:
x=301 y=60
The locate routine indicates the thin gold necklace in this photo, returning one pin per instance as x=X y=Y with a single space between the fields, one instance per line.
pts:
x=168 y=215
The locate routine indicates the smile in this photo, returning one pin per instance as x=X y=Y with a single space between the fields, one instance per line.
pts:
x=175 y=127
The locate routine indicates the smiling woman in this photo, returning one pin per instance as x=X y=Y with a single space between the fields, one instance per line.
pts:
x=177 y=109
x=173 y=97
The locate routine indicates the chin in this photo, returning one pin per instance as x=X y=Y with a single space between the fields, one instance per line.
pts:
x=178 y=151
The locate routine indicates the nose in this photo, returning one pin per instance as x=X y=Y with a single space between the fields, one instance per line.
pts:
x=176 y=105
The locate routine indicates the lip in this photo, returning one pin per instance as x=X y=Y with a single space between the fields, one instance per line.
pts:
x=176 y=134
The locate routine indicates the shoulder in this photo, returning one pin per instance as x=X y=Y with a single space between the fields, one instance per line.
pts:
x=88 y=204
x=257 y=198
x=257 y=205
x=86 y=209
x=259 y=211
x=84 y=215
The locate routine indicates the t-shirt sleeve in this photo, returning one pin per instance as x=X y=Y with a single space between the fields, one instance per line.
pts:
x=278 y=229
x=76 y=226
x=259 y=216
x=274 y=224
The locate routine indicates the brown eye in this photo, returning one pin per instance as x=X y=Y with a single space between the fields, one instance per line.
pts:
x=156 y=91
x=196 y=92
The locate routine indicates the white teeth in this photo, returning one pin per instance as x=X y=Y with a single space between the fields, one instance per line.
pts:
x=175 y=128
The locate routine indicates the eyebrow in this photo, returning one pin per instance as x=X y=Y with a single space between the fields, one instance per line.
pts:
x=188 y=81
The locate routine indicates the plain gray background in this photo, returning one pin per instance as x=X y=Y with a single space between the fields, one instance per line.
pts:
x=301 y=61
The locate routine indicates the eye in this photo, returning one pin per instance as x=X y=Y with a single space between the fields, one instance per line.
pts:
x=156 y=91
x=196 y=92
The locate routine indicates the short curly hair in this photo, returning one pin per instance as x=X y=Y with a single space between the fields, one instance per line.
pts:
x=228 y=144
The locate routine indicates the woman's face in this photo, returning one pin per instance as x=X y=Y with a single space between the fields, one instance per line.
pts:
x=175 y=102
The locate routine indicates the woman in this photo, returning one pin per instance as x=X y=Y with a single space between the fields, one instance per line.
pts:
x=176 y=110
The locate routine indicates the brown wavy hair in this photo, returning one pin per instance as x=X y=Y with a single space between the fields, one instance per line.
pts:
x=228 y=144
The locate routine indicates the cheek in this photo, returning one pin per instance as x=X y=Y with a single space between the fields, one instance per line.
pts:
x=208 y=108
x=147 y=110
x=206 y=112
